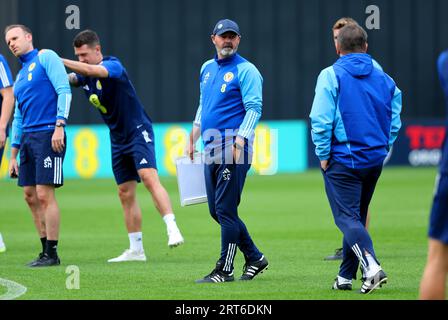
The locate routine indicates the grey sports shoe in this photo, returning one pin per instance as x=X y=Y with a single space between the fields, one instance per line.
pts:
x=40 y=256
x=342 y=286
x=46 y=261
x=372 y=283
x=336 y=256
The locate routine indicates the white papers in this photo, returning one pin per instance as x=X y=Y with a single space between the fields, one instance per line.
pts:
x=191 y=180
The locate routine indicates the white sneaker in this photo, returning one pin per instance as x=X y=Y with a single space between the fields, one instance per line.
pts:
x=175 y=238
x=129 y=255
x=2 y=247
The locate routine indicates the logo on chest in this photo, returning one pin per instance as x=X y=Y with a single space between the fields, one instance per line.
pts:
x=228 y=77
x=30 y=70
x=32 y=67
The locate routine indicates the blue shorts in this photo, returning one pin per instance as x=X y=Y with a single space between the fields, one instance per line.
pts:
x=138 y=154
x=39 y=164
x=438 y=226
x=1 y=155
x=3 y=149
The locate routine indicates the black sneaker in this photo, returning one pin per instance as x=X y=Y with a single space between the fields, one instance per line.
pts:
x=35 y=260
x=217 y=275
x=251 y=269
x=337 y=255
x=46 y=261
x=341 y=286
x=372 y=283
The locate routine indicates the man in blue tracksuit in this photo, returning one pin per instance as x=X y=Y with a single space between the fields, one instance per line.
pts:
x=43 y=98
x=229 y=110
x=355 y=119
x=6 y=108
x=6 y=102
x=342 y=22
x=436 y=271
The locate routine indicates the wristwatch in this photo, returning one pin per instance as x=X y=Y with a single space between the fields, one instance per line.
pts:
x=60 y=124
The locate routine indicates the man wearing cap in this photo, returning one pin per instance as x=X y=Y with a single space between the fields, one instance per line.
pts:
x=230 y=107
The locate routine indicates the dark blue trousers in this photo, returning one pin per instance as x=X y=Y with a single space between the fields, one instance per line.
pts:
x=224 y=184
x=349 y=192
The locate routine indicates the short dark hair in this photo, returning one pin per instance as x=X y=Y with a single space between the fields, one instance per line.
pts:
x=341 y=23
x=88 y=37
x=352 y=38
x=21 y=26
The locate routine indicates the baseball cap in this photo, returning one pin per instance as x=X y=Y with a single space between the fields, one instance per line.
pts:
x=226 y=25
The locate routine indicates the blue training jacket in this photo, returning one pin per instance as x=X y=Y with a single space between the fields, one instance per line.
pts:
x=355 y=116
x=5 y=80
x=42 y=93
x=5 y=77
x=231 y=96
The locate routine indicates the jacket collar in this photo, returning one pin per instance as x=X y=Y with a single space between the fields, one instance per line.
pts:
x=29 y=56
x=227 y=60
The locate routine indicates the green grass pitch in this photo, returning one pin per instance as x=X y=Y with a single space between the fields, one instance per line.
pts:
x=288 y=217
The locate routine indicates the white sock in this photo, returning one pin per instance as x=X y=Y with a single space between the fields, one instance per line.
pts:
x=342 y=280
x=136 y=241
x=170 y=221
x=373 y=266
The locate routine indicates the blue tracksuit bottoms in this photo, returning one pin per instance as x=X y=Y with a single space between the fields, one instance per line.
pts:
x=349 y=192
x=224 y=184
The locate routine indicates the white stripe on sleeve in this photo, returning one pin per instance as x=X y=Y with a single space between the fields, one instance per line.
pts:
x=4 y=76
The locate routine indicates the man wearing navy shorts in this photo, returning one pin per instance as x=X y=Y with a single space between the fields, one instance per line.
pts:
x=107 y=86
x=6 y=109
x=355 y=120
x=43 y=99
x=433 y=284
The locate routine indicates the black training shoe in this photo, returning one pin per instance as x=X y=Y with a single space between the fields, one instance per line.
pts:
x=372 y=283
x=251 y=269
x=35 y=260
x=337 y=255
x=217 y=275
x=342 y=286
x=46 y=261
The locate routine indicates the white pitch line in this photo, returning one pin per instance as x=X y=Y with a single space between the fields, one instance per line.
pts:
x=15 y=290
